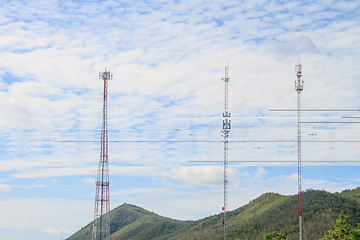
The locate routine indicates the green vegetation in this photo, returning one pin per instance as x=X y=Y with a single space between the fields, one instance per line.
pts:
x=342 y=229
x=132 y=222
x=351 y=194
x=275 y=236
x=269 y=214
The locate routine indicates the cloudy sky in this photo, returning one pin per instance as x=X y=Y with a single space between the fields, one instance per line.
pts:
x=168 y=58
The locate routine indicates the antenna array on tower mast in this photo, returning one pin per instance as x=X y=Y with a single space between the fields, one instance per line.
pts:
x=101 y=224
x=299 y=86
x=225 y=132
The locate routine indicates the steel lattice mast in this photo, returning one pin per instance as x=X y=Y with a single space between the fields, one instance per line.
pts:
x=101 y=225
x=299 y=85
x=225 y=132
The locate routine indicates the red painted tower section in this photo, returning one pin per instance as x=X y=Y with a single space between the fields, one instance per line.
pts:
x=101 y=224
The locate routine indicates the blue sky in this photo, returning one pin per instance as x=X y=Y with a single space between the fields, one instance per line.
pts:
x=168 y=59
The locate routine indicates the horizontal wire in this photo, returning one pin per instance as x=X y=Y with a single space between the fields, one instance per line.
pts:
x=315 y=110
x=268 y=117
x=208 y=141
x=278 y=161
x=329 y=122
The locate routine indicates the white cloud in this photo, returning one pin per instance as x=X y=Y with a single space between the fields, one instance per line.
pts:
x=55 y=231
x=91 y=181
x=70 y=214
x=244 y=174
x=293 y=176
x=5 y=188
x=304 y=44
x=261 y=171
x=208 y=175
x=56 y=172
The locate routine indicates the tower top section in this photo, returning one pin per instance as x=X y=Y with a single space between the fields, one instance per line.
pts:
x=299 y=83
x=226 y=114
x=226 y=78
x=107 y=75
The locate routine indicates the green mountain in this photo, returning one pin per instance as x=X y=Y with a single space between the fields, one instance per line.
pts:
x=267 y=213
x=131 y=222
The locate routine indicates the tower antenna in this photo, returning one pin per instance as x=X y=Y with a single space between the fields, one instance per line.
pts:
x=299 y=85
x=225 y=132
x=101 y=224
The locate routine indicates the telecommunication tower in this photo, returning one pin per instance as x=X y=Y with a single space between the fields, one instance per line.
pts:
x=225 y=132
x=101 y=224
x=299 y=85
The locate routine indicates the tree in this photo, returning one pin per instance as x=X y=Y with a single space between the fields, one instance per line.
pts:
x=275 y=236
x=342 y=230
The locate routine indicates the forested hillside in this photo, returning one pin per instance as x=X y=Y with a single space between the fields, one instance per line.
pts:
x=267 y=213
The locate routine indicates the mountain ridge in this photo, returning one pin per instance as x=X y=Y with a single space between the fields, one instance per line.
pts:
x=268 y=213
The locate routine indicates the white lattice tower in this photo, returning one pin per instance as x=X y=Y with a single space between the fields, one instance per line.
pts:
x=299 y=85
x=225 y=132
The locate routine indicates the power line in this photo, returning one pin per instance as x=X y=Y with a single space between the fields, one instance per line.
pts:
x=278 y=161
x=212 y=141
x=315 y=110
x=329 y=122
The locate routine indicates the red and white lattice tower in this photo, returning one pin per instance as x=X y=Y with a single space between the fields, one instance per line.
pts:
x=299 y=85
x=101 y=224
